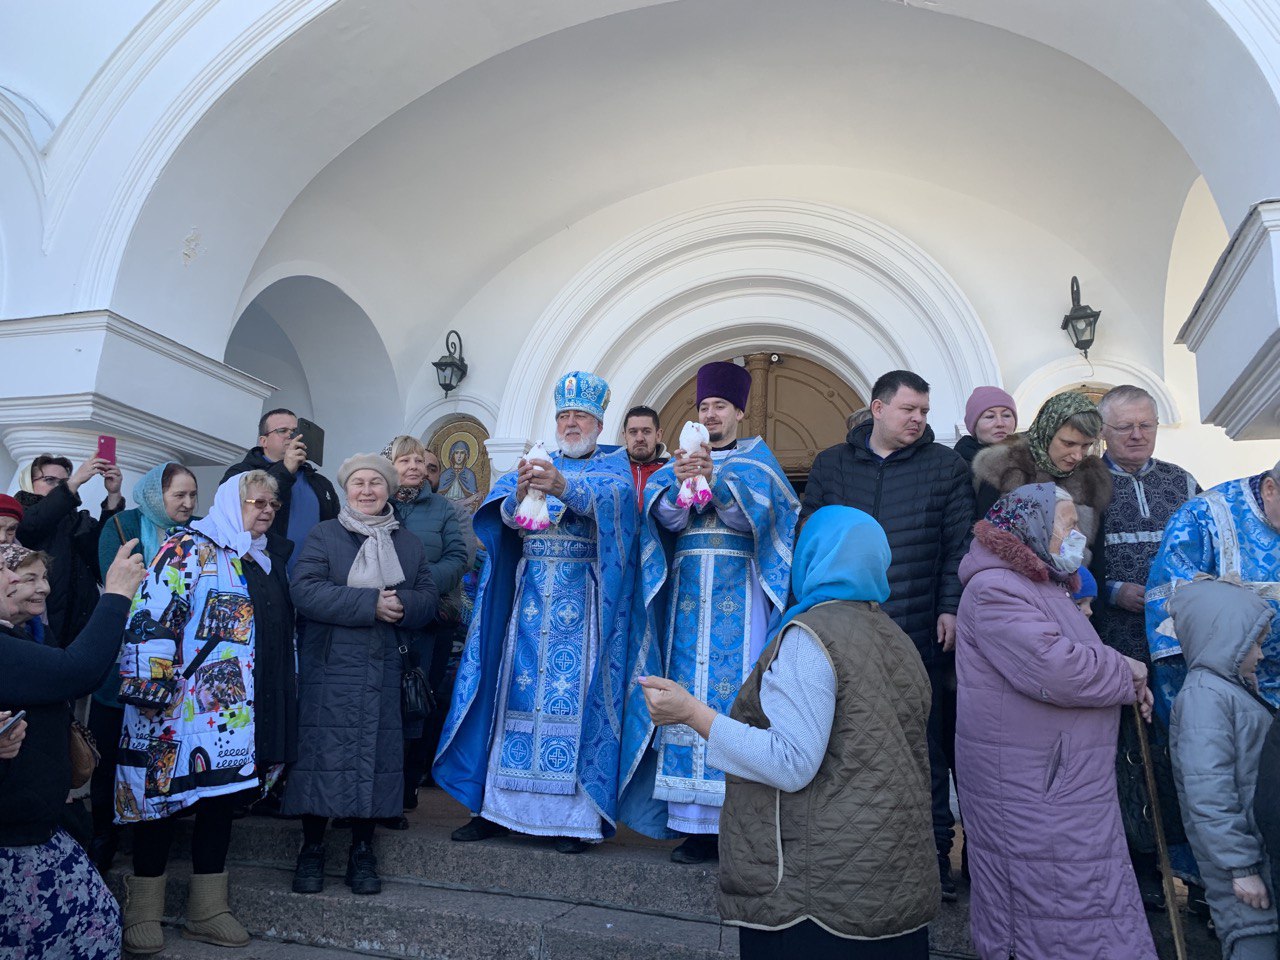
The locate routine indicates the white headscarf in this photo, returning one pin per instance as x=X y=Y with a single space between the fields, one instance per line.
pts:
x=225 y=525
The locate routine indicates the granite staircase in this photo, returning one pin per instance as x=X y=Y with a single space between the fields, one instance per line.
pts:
x=504 y=899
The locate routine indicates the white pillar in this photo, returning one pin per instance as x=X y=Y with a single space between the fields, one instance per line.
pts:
x=504 y=452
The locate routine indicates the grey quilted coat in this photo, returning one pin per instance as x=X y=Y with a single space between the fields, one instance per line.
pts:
x=1217 y=730
x=351 y=749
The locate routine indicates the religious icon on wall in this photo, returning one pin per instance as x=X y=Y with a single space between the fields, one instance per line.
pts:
x=464 y=474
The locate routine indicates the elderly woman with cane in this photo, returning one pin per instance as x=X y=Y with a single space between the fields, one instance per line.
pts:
x=826 y=835
x=1039 y=703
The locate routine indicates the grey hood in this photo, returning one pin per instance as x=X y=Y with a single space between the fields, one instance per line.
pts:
x=1217 y=622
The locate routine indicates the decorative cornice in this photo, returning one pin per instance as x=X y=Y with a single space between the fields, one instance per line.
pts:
x=946 y=318
x=106 y=321
x=1251 y=401
x=119 y=419
x=1262 y=220
x=15 y=126
x=25 y=443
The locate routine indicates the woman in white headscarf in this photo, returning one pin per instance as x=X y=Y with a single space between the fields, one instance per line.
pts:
x=207 y=681
x=363 y=587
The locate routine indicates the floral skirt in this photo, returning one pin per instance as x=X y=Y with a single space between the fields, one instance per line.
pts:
x=54 y=905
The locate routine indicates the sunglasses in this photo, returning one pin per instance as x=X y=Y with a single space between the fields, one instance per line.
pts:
x=263 y=504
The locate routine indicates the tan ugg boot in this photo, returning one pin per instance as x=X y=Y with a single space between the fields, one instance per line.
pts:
x=208 y=917
x=143 y=911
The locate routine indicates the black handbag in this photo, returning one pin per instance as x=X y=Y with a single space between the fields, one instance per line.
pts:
x=417 y=701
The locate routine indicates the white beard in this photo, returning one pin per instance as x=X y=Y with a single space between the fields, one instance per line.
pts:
x=582 y=446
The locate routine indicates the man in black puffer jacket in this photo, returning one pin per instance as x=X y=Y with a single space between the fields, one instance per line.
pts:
x=921 y=493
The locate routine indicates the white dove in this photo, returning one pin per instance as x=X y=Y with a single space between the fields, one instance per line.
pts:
x=695 y=489
x=532 y=511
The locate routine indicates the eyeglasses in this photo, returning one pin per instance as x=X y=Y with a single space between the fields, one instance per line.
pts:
x=51 y=481
x=280 y=432
x=263 y=504
x=1143 y=428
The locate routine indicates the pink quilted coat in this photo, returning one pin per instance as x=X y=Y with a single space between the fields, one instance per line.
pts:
x=1039 y=704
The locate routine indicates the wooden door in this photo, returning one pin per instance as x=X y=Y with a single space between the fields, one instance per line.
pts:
x=797 y=405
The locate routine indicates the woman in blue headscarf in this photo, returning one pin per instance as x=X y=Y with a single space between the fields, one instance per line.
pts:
x=166 y=501
x=826 y=835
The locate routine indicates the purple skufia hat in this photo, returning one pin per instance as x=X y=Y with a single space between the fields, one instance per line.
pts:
x=725 y=380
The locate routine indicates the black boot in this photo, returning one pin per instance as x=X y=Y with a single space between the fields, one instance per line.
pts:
x=308 y=875
x=697 y=848
x=362 y=869
x=478 y=829
x=571 y=845
x=102 y=850
x=949 y=894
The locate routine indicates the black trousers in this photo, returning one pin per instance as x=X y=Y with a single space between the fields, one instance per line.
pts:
x=210 y=838
x=808 y=940
x=942 y=750
x=104 y=723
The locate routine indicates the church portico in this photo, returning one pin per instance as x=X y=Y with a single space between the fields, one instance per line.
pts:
x=638 y=188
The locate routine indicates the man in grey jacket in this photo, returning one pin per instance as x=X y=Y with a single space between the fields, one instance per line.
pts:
x=1217 y=729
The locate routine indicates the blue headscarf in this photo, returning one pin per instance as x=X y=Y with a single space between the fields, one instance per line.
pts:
x=155 y=522
x=841 y=554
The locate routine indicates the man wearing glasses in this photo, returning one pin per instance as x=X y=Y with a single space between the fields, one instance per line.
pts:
x=52 y=521
x=306 y=497
x=1146 y=494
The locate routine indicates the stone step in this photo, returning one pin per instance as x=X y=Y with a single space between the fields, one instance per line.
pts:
x=414 y=920
x=629 y=872
x=177 y=947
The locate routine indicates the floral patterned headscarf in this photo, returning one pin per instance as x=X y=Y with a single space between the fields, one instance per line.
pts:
x=1055 y=412
x=1027 y=513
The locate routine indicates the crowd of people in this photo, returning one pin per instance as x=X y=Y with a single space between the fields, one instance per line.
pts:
x=802 y=688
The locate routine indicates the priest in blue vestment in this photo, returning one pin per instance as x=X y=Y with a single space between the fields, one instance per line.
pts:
x=531 y=742
x=1232 y=531
x=711 y=577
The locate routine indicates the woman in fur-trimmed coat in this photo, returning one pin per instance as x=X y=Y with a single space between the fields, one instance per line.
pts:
x=1055 y=449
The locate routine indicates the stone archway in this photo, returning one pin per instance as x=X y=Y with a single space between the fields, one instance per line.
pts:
x=798 y=406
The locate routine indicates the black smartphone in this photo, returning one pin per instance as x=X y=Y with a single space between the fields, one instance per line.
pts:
x=313 y=437
x=11 y=723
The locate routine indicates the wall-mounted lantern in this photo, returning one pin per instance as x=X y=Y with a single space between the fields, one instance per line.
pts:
x=451 y=369
x=1081 y=323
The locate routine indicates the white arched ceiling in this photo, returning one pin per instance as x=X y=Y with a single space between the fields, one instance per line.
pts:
x=348 y=376
x=429 y=205
x=281 y=89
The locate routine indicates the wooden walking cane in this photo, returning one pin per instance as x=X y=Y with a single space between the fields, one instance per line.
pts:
x=1162 y=846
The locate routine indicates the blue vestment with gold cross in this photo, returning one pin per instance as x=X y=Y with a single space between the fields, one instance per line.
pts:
x=533 y=732
x=708 y=592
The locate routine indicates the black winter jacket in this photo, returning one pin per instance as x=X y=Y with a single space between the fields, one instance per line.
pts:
x=42 y=679
x=1266 y=803
x=255 y=459
x=55 y=524
x=923 y=498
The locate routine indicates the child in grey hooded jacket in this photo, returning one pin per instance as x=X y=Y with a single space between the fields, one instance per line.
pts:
x=1217 y=730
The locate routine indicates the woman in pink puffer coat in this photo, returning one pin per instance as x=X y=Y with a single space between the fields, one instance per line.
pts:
x=1038 y=706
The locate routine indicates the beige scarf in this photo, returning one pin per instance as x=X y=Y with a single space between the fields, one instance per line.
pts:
x=377 y=564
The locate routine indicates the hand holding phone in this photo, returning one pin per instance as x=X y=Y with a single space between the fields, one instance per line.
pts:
x=106 y=448
x=7 y=726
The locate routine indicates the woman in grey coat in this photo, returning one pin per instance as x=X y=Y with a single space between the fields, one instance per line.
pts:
x=1217 y=729
x=362 y=587
x=434 y=521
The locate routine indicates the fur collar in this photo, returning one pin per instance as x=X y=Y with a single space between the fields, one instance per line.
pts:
x=1009 y=465
x=1016 y=555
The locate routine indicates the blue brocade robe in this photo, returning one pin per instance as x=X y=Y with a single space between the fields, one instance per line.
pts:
x=532 y=735
x=1223 y=532
x=709 y=590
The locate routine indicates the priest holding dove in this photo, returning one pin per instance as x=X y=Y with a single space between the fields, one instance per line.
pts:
x=713 y=571
x=531 y=742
